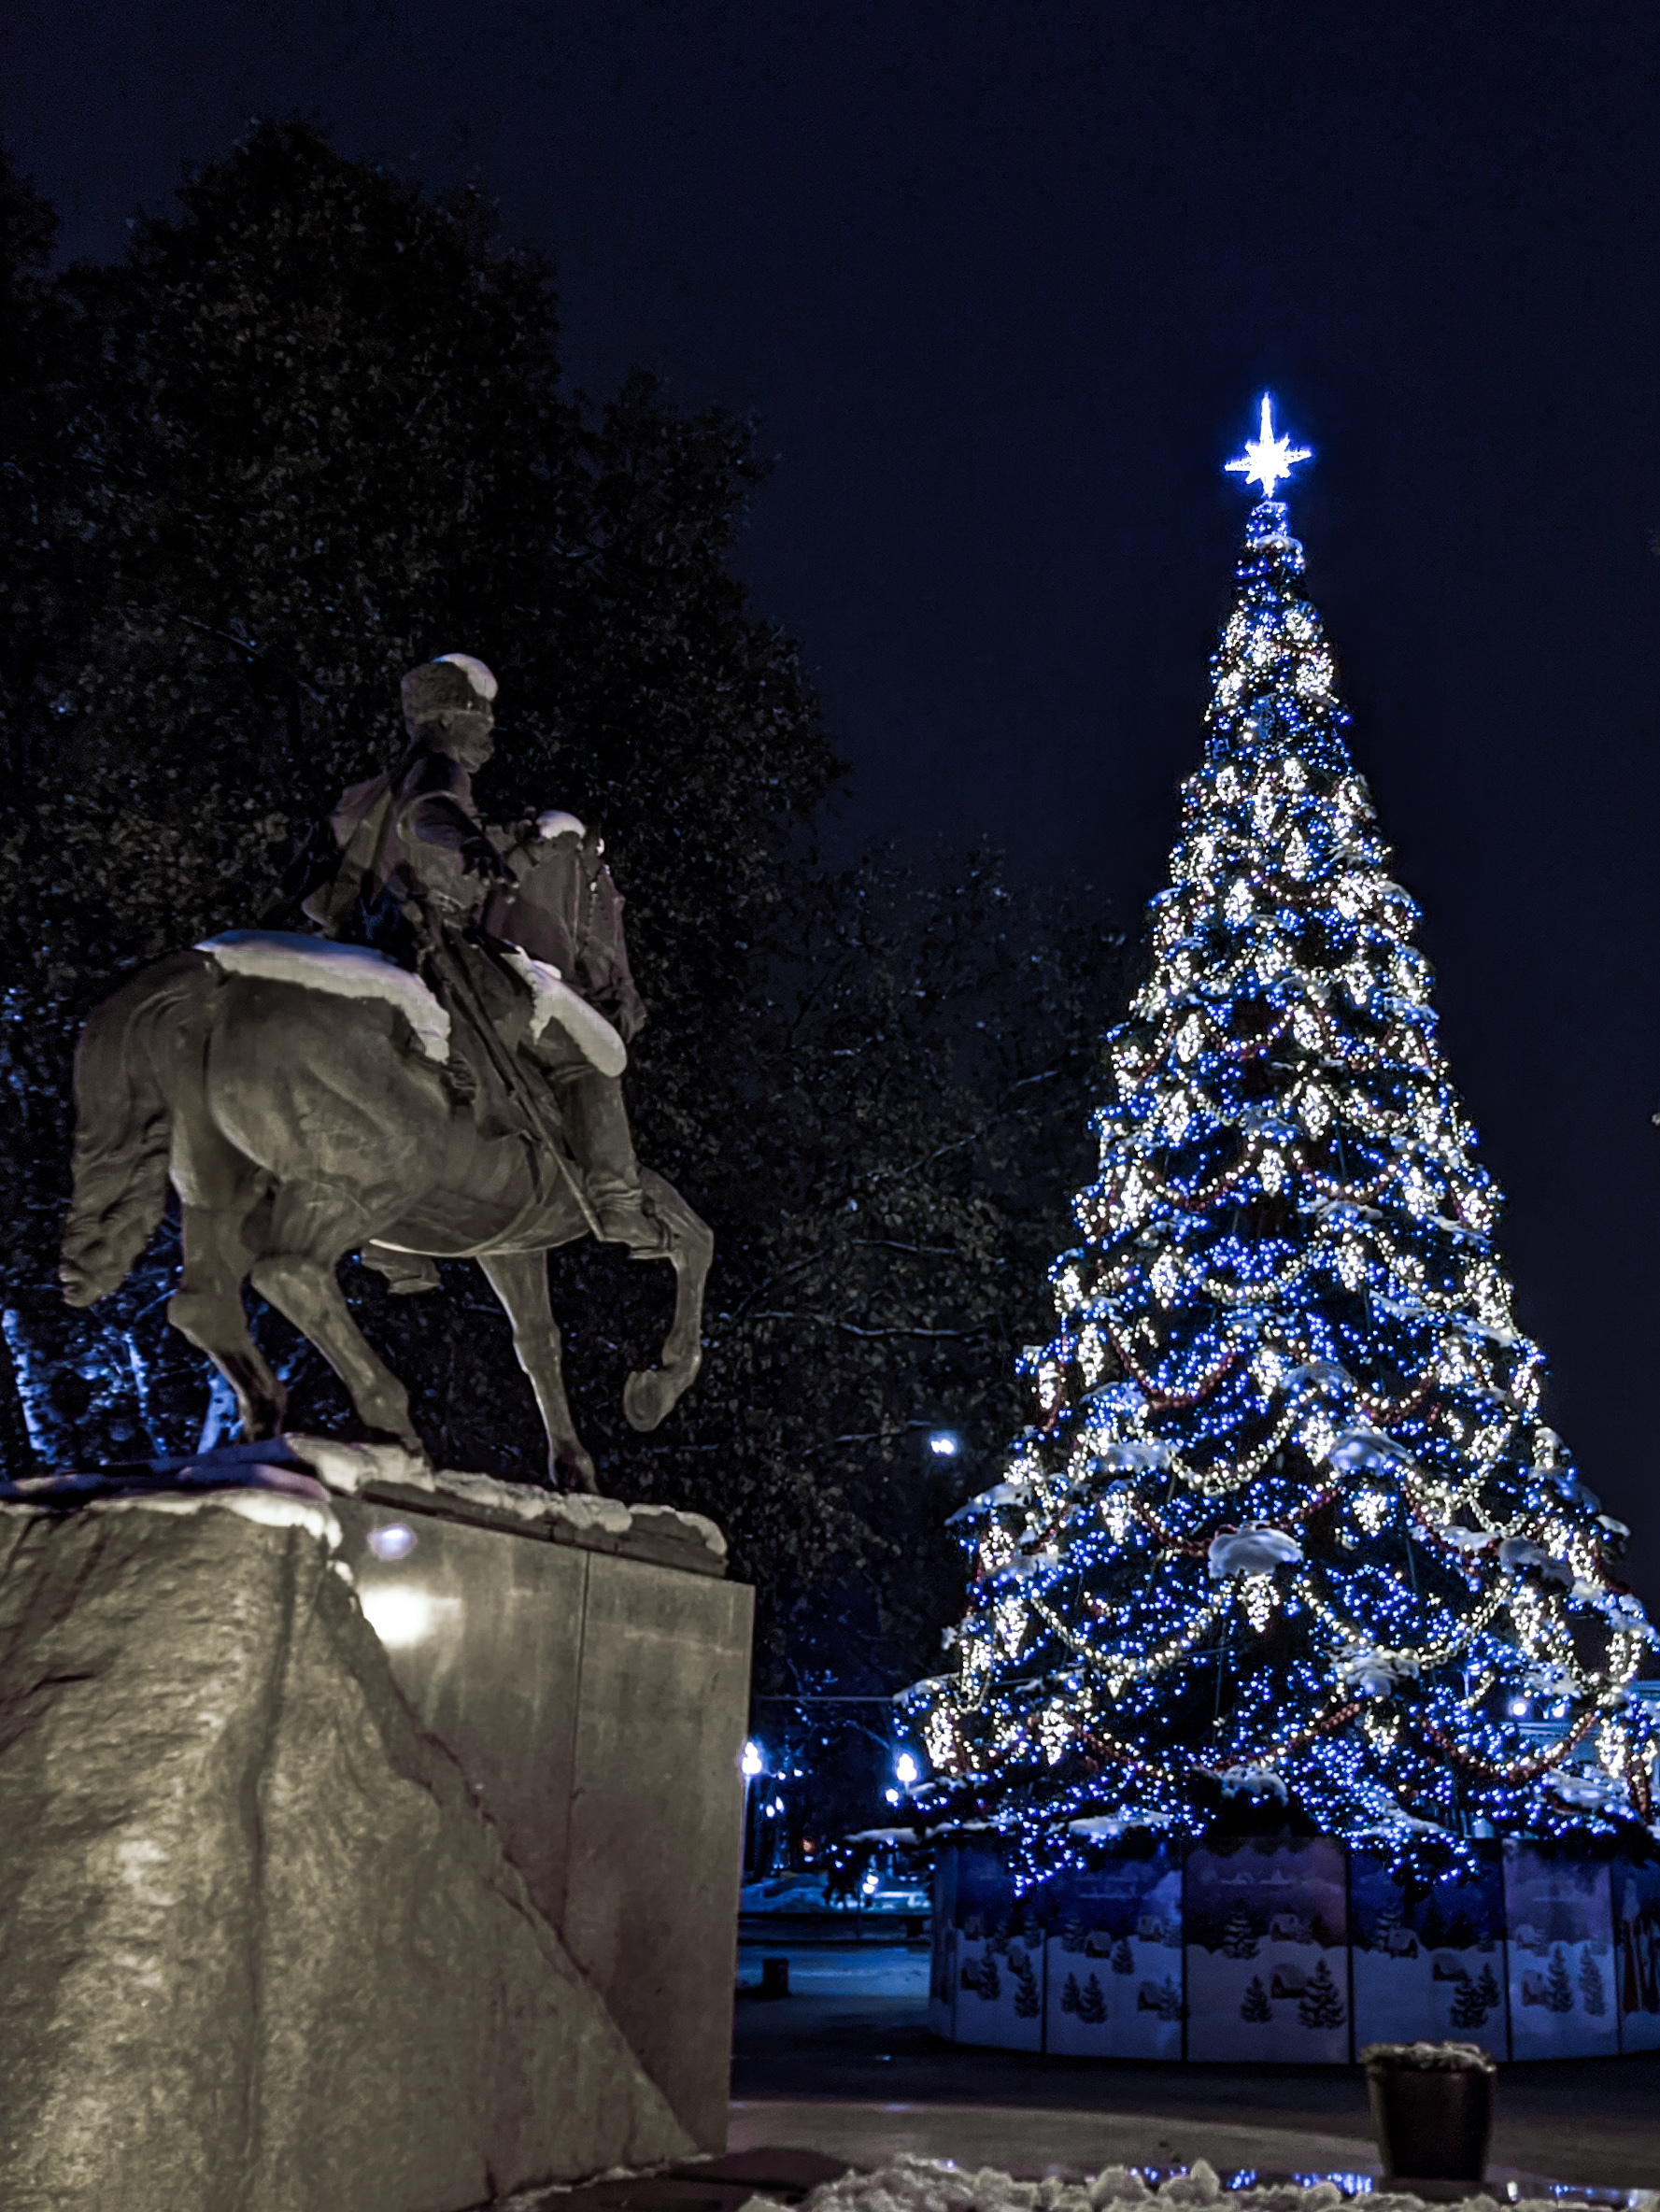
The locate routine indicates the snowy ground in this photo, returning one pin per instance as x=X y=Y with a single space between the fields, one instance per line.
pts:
x=928 y=2185
x=807 y=1891
x=840 y=1970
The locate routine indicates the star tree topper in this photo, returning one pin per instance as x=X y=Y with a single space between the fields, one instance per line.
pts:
x=1266 y=459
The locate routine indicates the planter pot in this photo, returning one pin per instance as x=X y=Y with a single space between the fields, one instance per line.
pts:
x=1432 y=2110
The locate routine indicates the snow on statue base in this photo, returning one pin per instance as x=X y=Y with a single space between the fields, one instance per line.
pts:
x=1303 y=1950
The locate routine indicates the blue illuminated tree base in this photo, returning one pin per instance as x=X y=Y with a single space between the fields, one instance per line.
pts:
x=1299 y=1950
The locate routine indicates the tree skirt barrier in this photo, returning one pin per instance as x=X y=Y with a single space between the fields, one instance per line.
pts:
x=1298 y=1949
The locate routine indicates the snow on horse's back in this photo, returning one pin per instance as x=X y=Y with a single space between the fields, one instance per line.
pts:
x=343 y=971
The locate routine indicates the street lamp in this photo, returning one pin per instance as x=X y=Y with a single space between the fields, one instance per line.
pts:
x=751 y=1762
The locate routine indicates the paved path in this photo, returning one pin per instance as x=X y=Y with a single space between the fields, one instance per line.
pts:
x=1026 y=2141
x=1594 y=2121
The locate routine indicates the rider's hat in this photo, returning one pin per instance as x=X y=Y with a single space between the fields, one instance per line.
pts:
x=455 y=684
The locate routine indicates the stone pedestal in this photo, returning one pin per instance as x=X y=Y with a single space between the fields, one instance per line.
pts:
x=589 y=1669
x=266 y=1940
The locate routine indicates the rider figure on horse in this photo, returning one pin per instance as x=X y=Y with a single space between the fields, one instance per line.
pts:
x=415 y=873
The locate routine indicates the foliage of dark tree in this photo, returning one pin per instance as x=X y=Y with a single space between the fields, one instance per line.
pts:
x=309 y=431
x=914 y=1088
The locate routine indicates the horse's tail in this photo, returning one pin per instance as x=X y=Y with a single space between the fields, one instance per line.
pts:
x=123 y=1140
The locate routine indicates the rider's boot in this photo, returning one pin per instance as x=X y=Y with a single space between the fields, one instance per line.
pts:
x=597 y=1124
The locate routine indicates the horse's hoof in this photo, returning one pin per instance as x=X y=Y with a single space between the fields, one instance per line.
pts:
x=647 y=1397
x=573 y=1470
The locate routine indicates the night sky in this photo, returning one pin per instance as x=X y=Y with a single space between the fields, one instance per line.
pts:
x=1001 y=284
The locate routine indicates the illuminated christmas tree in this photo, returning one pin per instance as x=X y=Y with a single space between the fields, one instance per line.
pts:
x=1288 y=1541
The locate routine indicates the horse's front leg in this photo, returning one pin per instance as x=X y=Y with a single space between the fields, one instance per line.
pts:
x=651 y=1392
x=520 y=1280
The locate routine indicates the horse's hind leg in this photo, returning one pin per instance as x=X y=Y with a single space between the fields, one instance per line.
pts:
x=207 y=1309
x=651 y=1393
x=219 y=1192
x=311 y=1230
x=520 y=1280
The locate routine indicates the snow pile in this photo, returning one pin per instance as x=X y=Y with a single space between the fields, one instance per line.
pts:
x=708 y=1535
x=344 y=971
x=552 y=999
x=271 y=1508
x=349 y=1467
x=913 y=2184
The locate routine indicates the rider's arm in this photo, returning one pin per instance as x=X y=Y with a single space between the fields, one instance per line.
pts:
x=437 y=811
x=605 y=973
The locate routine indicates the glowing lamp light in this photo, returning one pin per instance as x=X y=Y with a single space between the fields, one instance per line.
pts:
x=401 y=1615
x=892 y=1796
x=1267 y=459
x=752 y=1762
x=870 y=1885
x=907 y=1771
x=393 y=1542
x=944 y=1444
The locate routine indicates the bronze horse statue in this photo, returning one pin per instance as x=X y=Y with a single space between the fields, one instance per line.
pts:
x=297 y=1125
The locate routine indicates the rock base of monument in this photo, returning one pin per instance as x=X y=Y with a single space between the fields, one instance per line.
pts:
x=260 y=1944
x=1298 y=1949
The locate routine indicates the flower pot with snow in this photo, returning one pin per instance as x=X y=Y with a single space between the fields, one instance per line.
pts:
x=1432 y=2109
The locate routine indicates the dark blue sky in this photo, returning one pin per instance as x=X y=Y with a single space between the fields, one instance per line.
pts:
x=1001 y=283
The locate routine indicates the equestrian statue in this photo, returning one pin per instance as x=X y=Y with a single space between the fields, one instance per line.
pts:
x=428 y=1069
